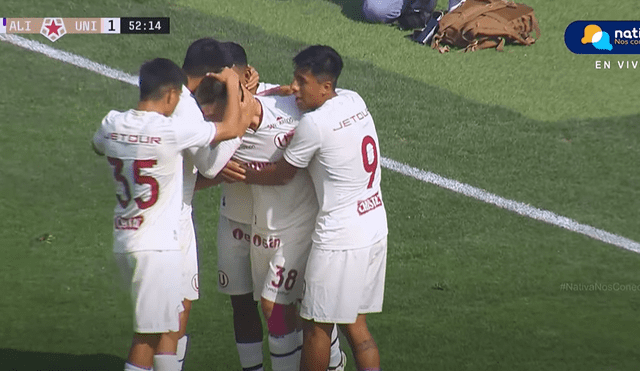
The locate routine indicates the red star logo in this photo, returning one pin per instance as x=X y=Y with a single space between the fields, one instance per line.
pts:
x=53 y=28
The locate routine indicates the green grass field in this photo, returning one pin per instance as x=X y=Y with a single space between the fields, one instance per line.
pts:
x=469 y=286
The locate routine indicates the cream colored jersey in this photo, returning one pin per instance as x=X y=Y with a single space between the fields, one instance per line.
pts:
x=338 y=144
x=196 y=159
x=145 y=152
x=276 y=207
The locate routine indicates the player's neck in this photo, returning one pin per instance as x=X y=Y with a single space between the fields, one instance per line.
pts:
x=258 y=114
x=153 y=106
x=193 y=82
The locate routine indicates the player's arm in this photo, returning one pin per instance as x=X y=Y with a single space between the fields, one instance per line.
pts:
x=97 y=143
x=203 y=182
x=96 y=150
x=278 y=173
x=210 y=161
x=235 y=120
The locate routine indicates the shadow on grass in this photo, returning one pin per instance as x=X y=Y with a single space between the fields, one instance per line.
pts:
x=20 y=360
x=351 y=9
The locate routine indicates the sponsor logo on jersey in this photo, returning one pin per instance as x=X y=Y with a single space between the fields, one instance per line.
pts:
x=133 y=138
x=239 y=235
x=279 y=121
x=268 y=242
x=223 y=279
x=282 y=140
x=128 y=223
x=352 y=120
x=369 y=204
x=258 y=165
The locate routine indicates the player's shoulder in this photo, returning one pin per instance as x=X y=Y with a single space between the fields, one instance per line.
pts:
x=187 y=106
x=285 y=103
x=349 y=97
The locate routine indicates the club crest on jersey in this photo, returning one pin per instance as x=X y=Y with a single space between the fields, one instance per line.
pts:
x=369 y=204
x=282 y=140
x=53 y=28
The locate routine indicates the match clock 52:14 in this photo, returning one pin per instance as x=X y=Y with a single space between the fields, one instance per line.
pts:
x=144 y=25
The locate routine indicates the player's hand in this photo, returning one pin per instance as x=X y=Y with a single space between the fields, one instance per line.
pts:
x=253 y=79
x=284 y=90
x=233 y=172
x=227 y=76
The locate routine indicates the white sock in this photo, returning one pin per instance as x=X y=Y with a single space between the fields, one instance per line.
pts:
x=250 y=356
x=181 y=350
x=336 y=353
x=129 y=367
x=165 y=362
x=285 y=351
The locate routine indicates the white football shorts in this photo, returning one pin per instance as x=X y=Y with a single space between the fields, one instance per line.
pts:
x=151 y=278
x=278 y=262
x=340 y=284
x=234 y=263
x=188 y=246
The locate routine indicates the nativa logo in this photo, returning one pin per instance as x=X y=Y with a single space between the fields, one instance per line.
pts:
x=603 y=37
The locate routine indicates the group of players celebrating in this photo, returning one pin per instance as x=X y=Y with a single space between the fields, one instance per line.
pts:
x=302 y=228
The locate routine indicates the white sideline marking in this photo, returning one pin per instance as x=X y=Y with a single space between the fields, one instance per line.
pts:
x=425 y=176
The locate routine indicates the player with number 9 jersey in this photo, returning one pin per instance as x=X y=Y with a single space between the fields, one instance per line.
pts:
x=338 y=144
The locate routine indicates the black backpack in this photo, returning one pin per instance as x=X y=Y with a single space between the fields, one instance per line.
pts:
x=416 y=14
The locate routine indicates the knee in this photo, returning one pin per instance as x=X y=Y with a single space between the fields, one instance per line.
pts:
x=381 y=10
x=281 y=319
x=244 y=304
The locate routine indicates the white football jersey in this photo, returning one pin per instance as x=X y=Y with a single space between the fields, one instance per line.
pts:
x=338 y=144
x=145 y=152
x=195 y=158
x=277 y=207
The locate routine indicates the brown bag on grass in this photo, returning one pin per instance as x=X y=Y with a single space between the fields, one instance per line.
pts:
x=481 y=24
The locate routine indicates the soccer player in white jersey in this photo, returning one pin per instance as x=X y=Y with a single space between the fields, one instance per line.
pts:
x=203 y=56
x=337 y=142
x=144 y=147
x=281 y=226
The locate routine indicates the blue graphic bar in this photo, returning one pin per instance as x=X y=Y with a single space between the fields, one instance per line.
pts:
x=603 y=37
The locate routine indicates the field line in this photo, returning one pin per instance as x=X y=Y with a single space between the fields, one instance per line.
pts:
x=421 y=175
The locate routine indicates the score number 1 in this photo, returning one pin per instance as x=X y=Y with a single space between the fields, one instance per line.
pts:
x=110 y=25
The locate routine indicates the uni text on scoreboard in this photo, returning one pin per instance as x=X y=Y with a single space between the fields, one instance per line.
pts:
x=54 y=28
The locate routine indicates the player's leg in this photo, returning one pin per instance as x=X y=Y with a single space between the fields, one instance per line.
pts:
x=234 y=279
x=143 y=348
x=278 y=266
x=190 y=283
x=285 y=340
x=157 y=306
x=247 y=327
x=338 y=359
x=316 y=348
x=365 y=350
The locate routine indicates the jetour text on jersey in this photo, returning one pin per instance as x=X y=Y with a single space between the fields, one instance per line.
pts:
x=133 y=138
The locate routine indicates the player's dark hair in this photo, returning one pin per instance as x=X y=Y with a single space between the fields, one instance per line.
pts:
x=322 y=61
x=159 y=75
x=211 y=90
x=236 y=52
x=203 y=56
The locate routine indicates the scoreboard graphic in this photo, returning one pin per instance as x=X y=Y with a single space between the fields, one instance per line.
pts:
x=54 y=28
